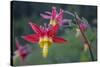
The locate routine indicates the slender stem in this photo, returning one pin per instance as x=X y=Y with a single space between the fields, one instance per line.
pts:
x=86 y=40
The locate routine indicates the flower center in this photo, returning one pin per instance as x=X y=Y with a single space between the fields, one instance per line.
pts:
x=45 y=40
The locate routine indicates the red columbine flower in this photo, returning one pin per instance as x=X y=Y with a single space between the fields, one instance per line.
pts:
x=55 y=17
x=44 y=36
x=22 y=51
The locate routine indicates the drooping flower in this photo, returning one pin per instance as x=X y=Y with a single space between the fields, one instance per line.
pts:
x=44 y=36
x=22 y=51
x=55 y=17
x=83 y=23
x=83 y=26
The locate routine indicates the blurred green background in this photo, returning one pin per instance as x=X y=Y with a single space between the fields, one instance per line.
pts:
x=23 y=12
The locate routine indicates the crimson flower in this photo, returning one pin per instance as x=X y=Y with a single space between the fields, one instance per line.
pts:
x=55 y=17
x=44 y=36
x=22 y=51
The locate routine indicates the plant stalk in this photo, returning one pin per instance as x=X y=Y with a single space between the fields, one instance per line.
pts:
x=85 y=38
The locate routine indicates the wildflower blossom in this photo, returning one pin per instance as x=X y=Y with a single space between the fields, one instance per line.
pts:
x=22 y=51
x=55 y=17
x=44 y=36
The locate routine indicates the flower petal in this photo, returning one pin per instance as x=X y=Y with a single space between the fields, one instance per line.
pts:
x=60 y=16
x=45 y=16
x=47 y=12
x=66 y=22
x=33 y=38
x=59 y=40
x=54 y=13
x=53 y=30
x=36 y=28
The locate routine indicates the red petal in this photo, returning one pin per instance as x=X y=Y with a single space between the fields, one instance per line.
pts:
x=53 y=30
x=59 y=40
x=36 y=28
x=33 y=38
x=60 y=16
x=54 y=12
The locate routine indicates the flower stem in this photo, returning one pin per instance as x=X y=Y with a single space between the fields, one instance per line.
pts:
x=85 y=38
